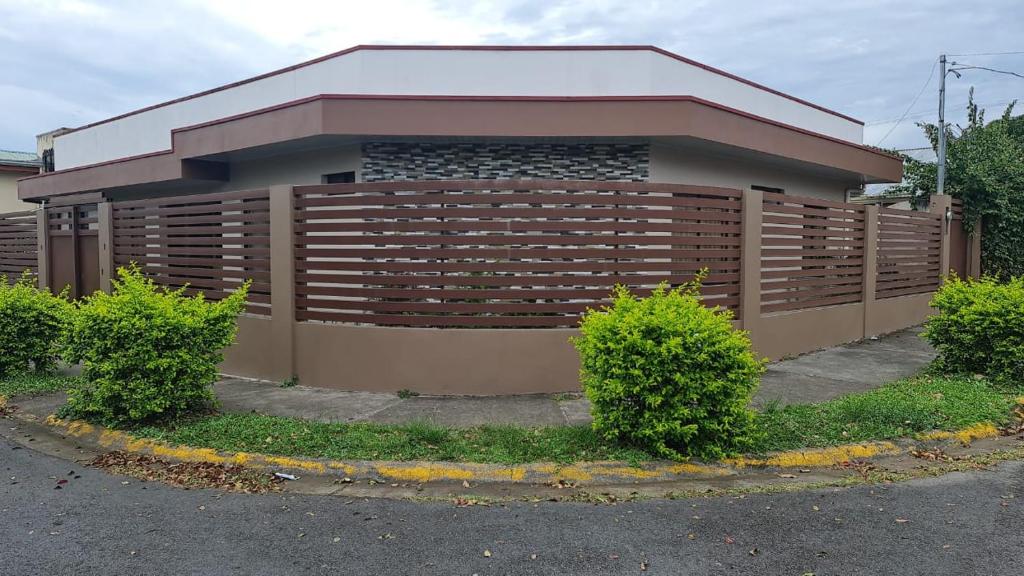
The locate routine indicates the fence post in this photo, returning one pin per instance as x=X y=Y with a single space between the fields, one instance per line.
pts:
x=750 y=263
x=870 y=268
x=942 y=205
x=282 y=280
x=43 y=247
x=105 y=242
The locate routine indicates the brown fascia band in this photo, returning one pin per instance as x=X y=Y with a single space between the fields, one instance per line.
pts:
x=471 y=116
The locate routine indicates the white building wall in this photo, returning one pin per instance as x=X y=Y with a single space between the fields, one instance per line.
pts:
x=689 y=166
x=302 y=168
x=448 y=72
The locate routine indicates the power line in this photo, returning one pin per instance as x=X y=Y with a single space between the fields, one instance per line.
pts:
x=988 y=54
x=907 y=111
x=919 y=113
x=970 y=67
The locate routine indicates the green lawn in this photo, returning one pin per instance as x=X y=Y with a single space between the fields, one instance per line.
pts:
x=34 y=384
x=896 y=410
x=366 y=441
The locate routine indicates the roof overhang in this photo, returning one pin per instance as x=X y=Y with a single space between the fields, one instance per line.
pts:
x=642 y=117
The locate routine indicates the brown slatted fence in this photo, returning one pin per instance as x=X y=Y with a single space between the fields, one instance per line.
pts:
x=909 y=252
x=504 y=253
x=210 y=243
x=812 y=253
x=18 y=244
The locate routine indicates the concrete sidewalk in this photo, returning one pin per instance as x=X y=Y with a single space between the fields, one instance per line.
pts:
x=813 y=377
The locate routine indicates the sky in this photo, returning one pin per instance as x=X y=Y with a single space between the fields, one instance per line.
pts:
x=72 y=62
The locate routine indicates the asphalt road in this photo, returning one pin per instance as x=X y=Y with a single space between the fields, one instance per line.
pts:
x=98 y=524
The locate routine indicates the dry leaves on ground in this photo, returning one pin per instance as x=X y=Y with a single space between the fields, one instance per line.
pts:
x=188 y=474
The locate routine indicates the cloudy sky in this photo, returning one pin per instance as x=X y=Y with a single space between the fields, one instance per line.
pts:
x=71 y=62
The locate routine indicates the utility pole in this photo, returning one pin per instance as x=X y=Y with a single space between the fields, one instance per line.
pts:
x=941 y=178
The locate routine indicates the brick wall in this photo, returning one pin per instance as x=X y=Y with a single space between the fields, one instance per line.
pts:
x=469 y=160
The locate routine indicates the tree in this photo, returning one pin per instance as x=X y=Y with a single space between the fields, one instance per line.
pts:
x=985 y=169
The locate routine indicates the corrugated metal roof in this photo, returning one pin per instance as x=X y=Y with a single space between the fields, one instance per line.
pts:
x=13 y=158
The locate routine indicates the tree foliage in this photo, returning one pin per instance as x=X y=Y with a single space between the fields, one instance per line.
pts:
x=985 y=169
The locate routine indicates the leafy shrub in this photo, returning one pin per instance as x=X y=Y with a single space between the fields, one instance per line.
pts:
x=668 y=374
x=147 y=351
x=979 y=328
x=31 y=322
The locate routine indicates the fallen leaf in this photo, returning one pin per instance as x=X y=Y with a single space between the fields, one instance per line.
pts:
x=729 y=540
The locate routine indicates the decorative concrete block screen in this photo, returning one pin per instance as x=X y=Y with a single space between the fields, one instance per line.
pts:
x=18 y=243
x=909 y=252
x=812 y=253
x=529 y=253
x=391 y=161
x=210 y=242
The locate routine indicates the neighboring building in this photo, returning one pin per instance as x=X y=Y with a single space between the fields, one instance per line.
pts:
x=374 y=113
x=15 y=165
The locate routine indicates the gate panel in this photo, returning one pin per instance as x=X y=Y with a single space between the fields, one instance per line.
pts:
x=74 y=253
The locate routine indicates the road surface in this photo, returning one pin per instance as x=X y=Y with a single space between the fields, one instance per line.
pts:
x=103 y=524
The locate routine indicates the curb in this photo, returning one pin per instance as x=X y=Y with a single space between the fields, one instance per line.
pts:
x=603 y=473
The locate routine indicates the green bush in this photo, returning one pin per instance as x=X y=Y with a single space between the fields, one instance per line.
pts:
x=979 y=328
x=147 y=352
x=668 y=374
x=31 y=323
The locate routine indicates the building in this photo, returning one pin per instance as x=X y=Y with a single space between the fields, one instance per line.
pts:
x=372 y=113
x=15 y=165
x=436 y=218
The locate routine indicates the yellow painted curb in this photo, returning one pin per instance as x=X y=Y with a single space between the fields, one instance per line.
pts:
x=393 y=471
x=537 y=473
x=965 y=436
x=818 y=457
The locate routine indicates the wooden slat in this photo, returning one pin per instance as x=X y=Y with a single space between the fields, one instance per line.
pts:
x=587 y=266
x=523 y=185
x=191 y=199
x=804 y=304
x=619 y=254
x=530 y=280
x=496 y=240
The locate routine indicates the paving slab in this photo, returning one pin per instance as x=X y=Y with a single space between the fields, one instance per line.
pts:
x=531 y=410
x=43 y=405
x=324 y=405
x=794 y=388
x=858 y=363
x=576 y=411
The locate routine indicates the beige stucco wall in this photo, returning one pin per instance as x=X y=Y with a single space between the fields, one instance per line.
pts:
x=9 y=194
x=690 y=165
x=306 y=167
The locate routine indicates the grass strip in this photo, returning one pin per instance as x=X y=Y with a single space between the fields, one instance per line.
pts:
x=30 y=384
x=896 y=410
x=899 y=409
x=370 y=441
